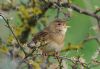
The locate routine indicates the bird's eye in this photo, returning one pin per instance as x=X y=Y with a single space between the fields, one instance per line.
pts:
x=59 y=24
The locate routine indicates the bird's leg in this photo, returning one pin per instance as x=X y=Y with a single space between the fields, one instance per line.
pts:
x=44 y=54
x=56 y=54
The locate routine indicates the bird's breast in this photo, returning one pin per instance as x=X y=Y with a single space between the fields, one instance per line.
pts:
x=57 y=38
x=55 y=46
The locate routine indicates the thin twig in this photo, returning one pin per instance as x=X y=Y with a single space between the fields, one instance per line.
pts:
x=58 y=9
x=92 y=38
x=8 y=26
x=80 y=10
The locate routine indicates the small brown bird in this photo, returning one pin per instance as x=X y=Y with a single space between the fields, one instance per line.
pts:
x=53 y=35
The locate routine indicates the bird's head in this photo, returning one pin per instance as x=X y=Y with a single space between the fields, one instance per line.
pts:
x=59 y=26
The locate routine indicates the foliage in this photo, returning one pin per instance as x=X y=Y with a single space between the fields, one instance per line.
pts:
x=34 y=15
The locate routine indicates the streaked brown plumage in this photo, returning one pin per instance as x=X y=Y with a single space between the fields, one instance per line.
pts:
x=53 y=35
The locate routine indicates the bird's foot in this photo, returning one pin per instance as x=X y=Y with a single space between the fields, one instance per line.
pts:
x=44 y=54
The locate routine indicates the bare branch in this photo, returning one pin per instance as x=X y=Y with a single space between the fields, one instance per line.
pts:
x=80 y=10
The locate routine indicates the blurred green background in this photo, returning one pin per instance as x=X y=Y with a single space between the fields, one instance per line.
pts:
x=80 y=24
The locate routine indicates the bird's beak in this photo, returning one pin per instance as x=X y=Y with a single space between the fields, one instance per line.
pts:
x=68 y=26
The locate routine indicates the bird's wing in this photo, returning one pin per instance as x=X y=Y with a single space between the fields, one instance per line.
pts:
x=39 y=39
